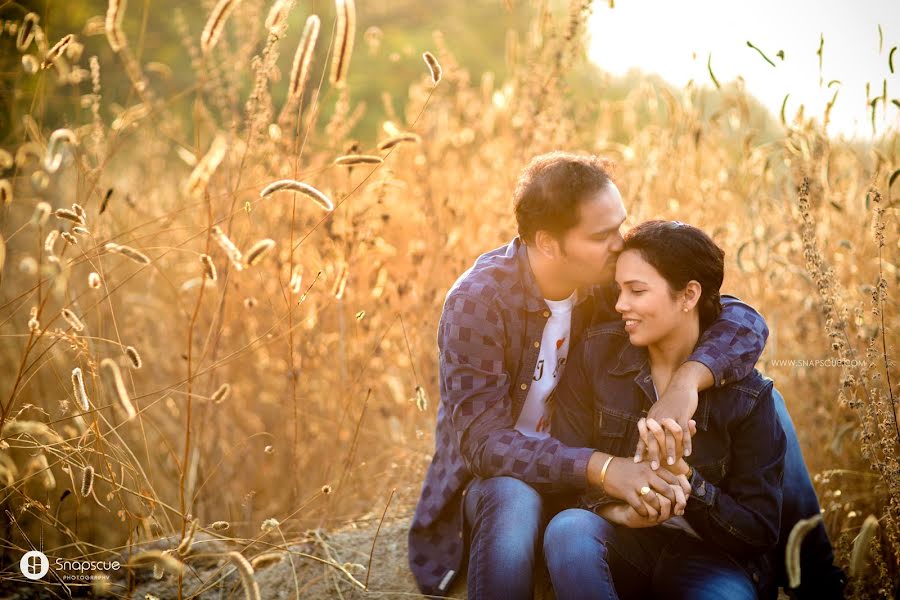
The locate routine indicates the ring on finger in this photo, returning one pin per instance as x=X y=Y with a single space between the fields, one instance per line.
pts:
x=645 y=490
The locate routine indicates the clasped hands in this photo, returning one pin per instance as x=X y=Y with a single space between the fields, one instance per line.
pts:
x=650 y=493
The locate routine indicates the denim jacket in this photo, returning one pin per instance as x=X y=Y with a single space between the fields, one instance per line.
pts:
x=737 y=456
x=489 y=338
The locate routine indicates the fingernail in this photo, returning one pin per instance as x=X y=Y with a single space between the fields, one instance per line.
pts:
x=637 y=458
x=670 y=460
x=654 y=465
x=687 y=452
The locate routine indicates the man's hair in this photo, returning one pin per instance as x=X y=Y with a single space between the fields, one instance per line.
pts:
x=680 y=253
x=550 y=189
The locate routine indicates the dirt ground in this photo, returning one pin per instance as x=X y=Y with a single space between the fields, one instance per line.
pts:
x=389 y=576
x=314 y=574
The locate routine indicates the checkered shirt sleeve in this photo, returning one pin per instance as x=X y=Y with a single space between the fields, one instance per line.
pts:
x=476 y=388
x=731 y=346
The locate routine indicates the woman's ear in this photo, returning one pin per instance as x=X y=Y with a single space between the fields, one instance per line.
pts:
x=691 y=295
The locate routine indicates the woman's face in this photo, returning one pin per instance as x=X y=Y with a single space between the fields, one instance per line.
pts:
x=646 y=302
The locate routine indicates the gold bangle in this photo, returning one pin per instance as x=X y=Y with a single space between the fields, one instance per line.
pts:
x=603 y=472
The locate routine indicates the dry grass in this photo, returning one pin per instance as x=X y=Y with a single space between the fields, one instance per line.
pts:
x=296 y=390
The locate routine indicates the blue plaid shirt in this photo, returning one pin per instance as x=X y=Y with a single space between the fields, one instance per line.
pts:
x=489 y=339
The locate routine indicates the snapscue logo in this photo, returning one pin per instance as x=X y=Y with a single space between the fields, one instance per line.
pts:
x=35 y=565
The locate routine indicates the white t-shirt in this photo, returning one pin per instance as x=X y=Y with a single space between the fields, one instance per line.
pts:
x=534 y=419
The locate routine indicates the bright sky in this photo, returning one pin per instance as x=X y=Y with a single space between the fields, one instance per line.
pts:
x=674 y=39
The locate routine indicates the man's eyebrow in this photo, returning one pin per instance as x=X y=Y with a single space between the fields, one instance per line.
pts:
x=607 y=230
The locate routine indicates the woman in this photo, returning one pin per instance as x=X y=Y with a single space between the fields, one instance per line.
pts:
x=720 y=545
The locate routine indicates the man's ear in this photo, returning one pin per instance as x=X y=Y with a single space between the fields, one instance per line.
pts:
x=546 y=244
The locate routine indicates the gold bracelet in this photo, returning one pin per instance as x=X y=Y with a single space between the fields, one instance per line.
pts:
x=603 y=472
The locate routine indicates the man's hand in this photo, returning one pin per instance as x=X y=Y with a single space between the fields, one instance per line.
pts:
x=677 y=404
x=667 y=493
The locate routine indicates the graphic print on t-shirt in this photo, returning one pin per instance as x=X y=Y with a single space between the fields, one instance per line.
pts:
x=534 y=420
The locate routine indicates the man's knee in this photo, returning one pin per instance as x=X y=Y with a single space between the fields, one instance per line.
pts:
x=510 y=494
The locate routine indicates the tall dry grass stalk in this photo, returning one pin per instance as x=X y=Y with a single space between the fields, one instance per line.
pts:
x=344 y=34
x=358 y=159
x=112 y=377
x=323 y=201
x=215 y=24
x=245 y=570
x=231 y=251
x=72 y=319
x=276 y=19
x=57 y=50
x=115 y=12
x=25 y=34
x=199 y=179
x=303 y=58
x=434 y=67
x=861 y=546
x=794 y=542
x=133 y=357
x=87 y=481
x=128 y=252
x=258 y=250
x=161 y=559
x=78 y=388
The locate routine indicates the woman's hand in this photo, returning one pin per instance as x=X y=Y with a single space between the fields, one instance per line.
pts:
x=666 y=433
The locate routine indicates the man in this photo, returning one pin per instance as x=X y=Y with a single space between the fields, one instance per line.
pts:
x=504 y=336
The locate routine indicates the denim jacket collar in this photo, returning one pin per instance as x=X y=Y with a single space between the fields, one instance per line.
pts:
x=636 y=359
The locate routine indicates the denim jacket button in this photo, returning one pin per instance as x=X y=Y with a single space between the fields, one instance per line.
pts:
x=546 y=313
x=524 y=386
x=537 y=344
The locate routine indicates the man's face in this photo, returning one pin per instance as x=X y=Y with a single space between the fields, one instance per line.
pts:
x=589 y=250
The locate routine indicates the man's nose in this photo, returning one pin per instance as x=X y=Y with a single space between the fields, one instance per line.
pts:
x=617 y=244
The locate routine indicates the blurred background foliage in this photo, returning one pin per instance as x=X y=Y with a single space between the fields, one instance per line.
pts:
x=483 y=35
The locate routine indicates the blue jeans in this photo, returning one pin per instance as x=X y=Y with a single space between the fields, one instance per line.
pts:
x=588 y=557
x=504 y=520
x=819 y=576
